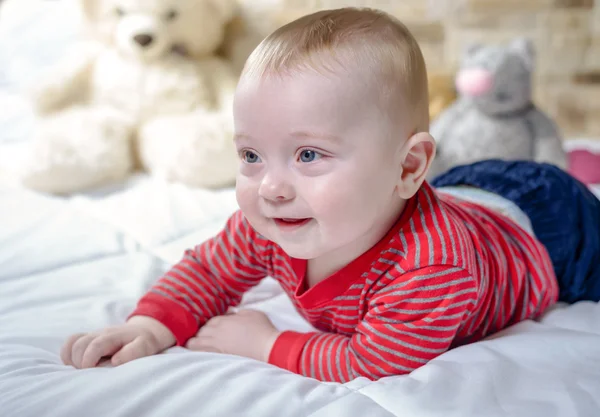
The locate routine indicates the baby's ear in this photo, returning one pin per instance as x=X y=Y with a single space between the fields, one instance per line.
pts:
x=226 y=9
x=524 y=48
x=417 y=156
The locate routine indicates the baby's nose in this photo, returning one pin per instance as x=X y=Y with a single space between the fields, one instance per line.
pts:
x=276 y=189
x=474 y=82
x=143 y=39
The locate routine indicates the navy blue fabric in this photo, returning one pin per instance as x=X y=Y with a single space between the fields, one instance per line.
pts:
x=564 y=213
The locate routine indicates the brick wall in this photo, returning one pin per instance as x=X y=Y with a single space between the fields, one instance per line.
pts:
x=566 y=34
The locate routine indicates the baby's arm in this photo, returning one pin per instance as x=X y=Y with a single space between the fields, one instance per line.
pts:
x=208 y=280
x=409 y=322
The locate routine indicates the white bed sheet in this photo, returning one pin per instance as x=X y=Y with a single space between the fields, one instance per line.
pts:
x=79 y=264
x=69 y=265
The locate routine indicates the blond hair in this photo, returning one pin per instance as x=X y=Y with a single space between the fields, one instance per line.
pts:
x=354 y=39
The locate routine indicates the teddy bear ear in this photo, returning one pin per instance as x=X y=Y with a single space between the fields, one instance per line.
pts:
x=225 y=8
x=89 y=8
x=524 y=48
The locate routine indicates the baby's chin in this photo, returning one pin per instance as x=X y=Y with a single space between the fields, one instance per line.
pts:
x=298 y=250
x=298 y=241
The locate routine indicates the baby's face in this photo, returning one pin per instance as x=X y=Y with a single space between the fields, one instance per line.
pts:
x=319 y=163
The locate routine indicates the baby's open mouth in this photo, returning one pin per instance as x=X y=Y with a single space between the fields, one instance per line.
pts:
x=288 y=222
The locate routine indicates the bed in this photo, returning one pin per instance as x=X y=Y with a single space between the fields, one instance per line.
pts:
x=80 y=263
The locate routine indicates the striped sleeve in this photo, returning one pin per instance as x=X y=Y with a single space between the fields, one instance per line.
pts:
x=412 y=320
x=208 y=280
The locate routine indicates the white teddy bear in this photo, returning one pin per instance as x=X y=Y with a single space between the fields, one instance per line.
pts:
x=145 y=90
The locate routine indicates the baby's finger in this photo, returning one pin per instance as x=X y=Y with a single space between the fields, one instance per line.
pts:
x=79 y=348
x=215 y=321
x=202 y=344
x=207 y=331
x=138 y=348
x=104 y=345
x=67 y=349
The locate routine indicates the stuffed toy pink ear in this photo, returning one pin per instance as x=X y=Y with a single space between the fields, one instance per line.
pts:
x=584 y=160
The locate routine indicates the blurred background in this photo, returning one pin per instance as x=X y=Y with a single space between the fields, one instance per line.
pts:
x=565 y=33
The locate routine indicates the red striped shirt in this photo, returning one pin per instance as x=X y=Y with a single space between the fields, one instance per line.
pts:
x=448 y=273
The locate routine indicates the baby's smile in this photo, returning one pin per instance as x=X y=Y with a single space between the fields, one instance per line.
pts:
x=287 y=224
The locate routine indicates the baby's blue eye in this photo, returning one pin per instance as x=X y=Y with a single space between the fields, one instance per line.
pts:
x=308 y=155
x=250 y=157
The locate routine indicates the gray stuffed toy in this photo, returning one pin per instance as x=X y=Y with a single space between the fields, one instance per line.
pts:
x=494 y=116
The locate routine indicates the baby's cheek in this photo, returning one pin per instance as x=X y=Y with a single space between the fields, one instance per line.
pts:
x=246 y=193
x=336 y=200
x=245 y=170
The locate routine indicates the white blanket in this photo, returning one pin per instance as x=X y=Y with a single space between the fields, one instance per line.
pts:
x=71 y=265
x=80 y=264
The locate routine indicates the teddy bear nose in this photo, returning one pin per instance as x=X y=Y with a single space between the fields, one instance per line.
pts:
x=474 y=81
x=143 y=39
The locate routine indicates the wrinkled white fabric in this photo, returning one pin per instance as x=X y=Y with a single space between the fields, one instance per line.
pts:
x=79 y=264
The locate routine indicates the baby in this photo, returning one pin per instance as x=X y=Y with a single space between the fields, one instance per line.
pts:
x=331 y=121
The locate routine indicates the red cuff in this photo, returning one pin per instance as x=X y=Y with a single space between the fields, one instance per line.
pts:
x=178 y=320
x=287 y=350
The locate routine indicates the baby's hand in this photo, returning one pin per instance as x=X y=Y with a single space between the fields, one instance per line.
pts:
x=247 y=333
x=140 y=336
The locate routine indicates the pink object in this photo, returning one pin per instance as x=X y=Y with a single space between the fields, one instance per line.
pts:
x=585 y=166
x=584 y=160
x=474 y=82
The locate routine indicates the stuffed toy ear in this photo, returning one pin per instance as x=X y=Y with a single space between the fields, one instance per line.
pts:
x=471 y=49
x=89 y=9
x=525 y=49
x=226 y=9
